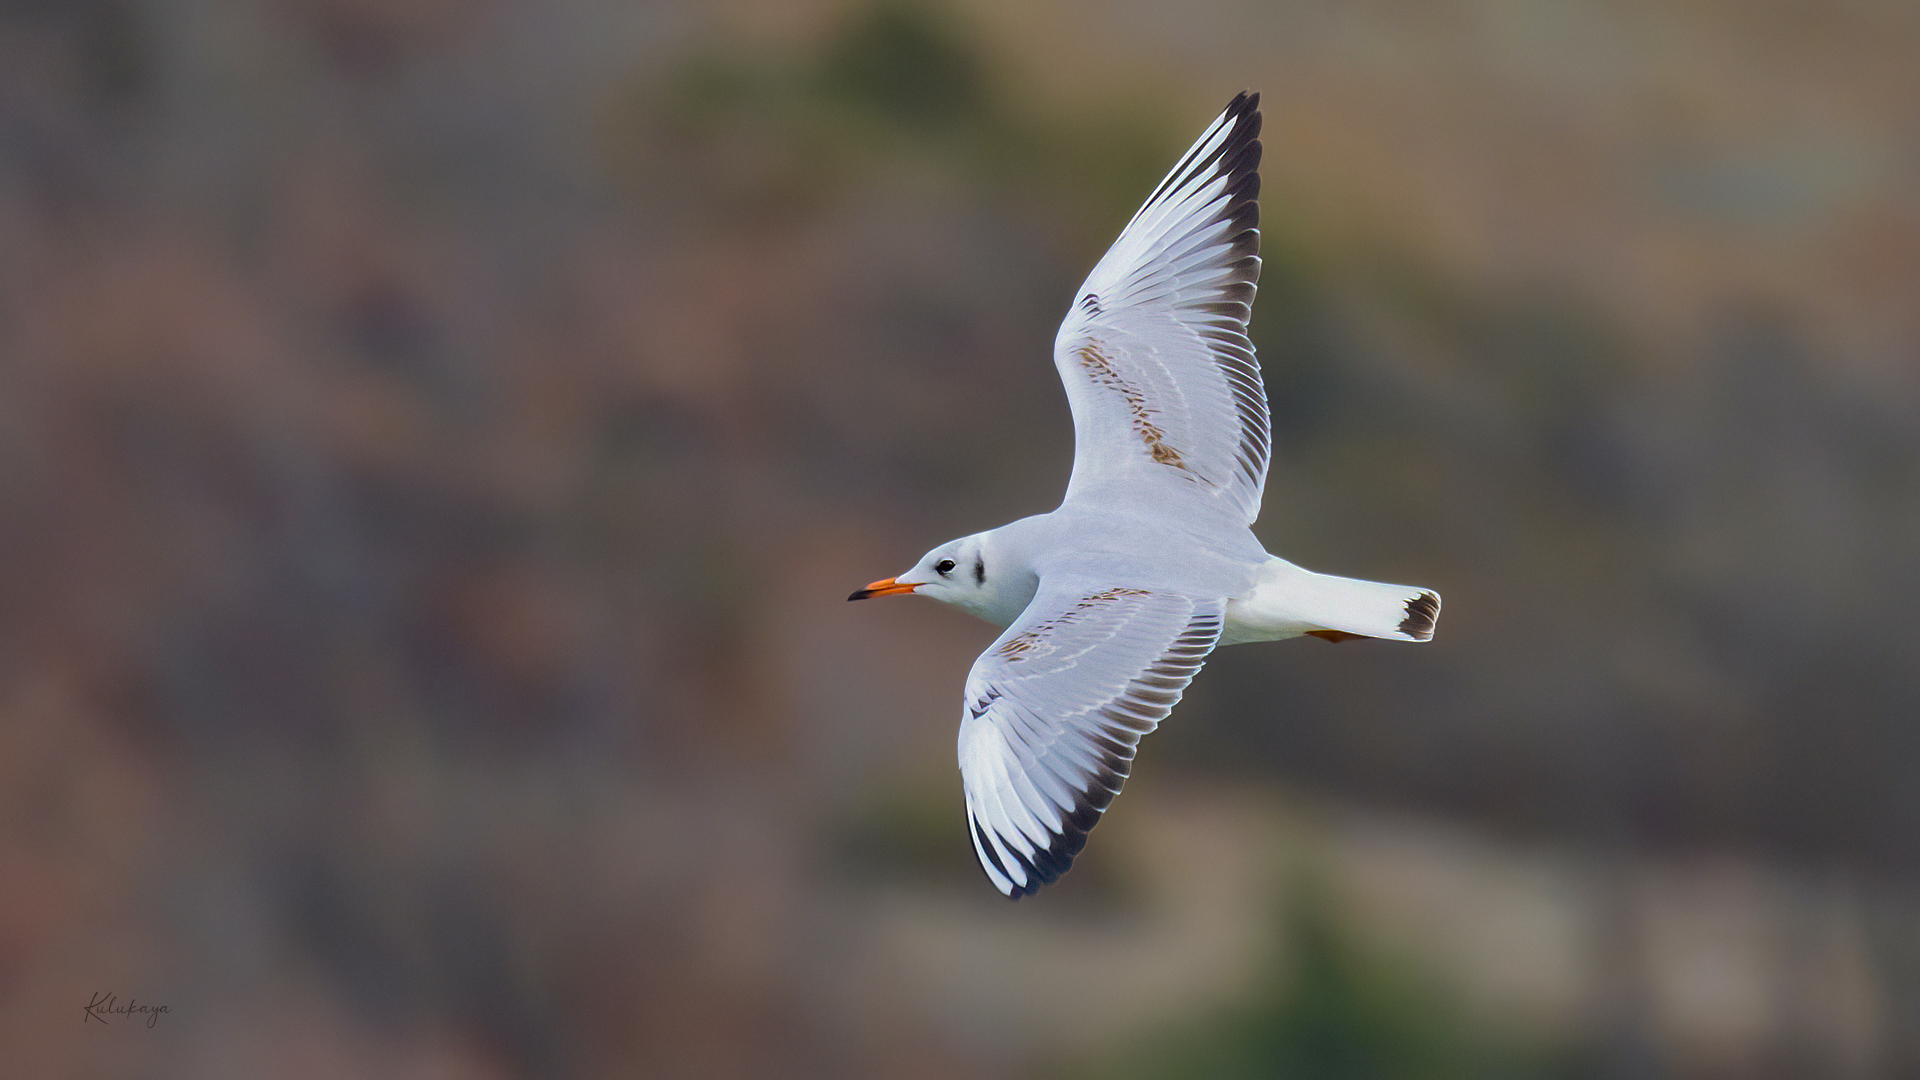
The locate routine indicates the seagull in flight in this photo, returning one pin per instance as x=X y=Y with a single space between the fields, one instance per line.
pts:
x=1112 y=602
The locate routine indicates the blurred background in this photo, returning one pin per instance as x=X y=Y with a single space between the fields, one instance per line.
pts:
x=437 y=439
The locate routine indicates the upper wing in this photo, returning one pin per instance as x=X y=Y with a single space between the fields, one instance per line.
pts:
x=1159 y=371
x=1054 y=711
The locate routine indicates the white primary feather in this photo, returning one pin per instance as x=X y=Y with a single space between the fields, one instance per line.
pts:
x=1055 y=709
x=1166 y=394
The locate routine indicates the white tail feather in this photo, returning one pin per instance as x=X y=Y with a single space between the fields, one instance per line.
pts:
x=1288 y=602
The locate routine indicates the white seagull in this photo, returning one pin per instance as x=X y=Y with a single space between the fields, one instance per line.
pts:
x=1112 y=602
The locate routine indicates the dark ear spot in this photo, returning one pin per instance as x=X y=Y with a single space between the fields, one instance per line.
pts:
x=979 y=570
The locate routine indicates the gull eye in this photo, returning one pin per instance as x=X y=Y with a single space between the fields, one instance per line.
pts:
x=943 y=567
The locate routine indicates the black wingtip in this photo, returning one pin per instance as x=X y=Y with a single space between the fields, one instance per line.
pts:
x=1237 y=156
x=1245 y=111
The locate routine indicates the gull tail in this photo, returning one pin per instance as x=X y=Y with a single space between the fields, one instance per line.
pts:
x=1288 y=601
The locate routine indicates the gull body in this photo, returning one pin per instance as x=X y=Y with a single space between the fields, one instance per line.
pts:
x=996 y=573
x=1112 y=602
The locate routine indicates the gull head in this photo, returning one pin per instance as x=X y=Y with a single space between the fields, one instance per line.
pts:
x=962 y=573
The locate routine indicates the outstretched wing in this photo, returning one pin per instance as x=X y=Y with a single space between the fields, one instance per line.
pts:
x=1055 y=709
x=1165 y=390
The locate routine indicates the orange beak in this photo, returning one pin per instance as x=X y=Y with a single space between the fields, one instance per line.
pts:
x=883 y=587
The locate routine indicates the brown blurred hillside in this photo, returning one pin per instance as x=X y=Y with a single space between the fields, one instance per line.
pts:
x=437 y=438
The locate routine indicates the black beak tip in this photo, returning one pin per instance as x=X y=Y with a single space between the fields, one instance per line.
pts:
x=860 y=594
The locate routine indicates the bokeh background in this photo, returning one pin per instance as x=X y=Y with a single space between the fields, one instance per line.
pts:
x=437 y=438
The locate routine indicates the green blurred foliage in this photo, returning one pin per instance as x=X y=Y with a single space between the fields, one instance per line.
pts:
x=901 y=94
x=1335 y=1006
x=904 y=62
